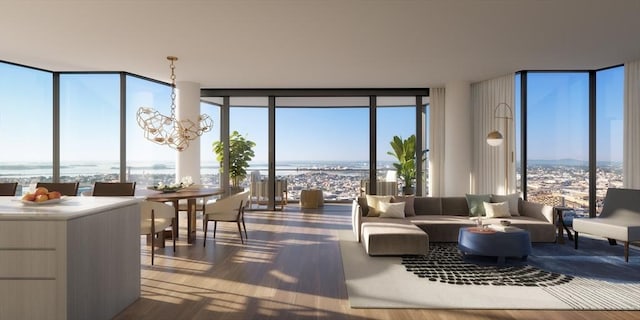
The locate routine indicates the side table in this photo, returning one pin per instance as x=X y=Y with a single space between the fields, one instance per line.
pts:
x=561 y=225
x=311 y=199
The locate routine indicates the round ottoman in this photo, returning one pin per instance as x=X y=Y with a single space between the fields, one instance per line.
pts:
x=483 y=242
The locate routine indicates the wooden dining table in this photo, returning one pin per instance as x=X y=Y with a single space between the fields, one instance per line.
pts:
x=190 y=194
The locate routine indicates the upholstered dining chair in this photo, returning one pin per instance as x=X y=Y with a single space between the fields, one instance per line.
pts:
x=155 y=217
x=8 y=188
x=229 y=209
x=113 y=189
x=65 y=188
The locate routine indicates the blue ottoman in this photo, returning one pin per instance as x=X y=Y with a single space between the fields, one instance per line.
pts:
x=482 y=242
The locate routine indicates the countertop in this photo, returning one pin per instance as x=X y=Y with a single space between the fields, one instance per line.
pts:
x=12 y=208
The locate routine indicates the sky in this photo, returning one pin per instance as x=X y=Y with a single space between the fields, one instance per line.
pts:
x=557 y=102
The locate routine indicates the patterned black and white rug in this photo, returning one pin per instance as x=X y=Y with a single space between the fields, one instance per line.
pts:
x=446 y=264
x=554 y=277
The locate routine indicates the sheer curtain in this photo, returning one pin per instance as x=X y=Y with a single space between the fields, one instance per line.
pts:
x=488 y=168
x=436 y=142
x=631 y=149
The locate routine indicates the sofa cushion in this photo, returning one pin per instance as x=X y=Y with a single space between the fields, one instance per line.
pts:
x=455 y=206
x=409 y=210
x=373 y=203
x=512 y=199
x=362 y=202
x=391 y=210
x=475 y=203
x=427 y=206
x=496 y=210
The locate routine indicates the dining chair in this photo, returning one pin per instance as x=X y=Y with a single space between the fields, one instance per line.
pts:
x=229 y=209
x=155 y=217
x=8 y=188
x=65 y=188
x=113 y=189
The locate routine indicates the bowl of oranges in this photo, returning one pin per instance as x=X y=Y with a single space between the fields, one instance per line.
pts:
x=42 y=196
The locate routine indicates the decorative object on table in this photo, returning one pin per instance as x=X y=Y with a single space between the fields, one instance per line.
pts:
x=494 y=138
x=405 y=152
x=173 y=187
x=505 y=223
x=168 y=130
x=41 y=195
x=240 y=153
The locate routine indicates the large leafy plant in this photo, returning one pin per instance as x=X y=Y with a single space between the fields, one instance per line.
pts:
x=404 y=150
x=240 y=153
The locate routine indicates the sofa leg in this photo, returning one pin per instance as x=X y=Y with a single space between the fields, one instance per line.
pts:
x=575 y=243
x=612 y=241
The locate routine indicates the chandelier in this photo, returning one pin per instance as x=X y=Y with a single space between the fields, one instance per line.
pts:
x=170 y=131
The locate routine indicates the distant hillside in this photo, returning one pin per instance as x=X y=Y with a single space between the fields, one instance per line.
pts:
x=570 y=163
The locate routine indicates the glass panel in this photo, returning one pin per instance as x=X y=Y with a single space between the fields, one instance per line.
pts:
x=323 y=147
x=26 y=113
x=517 y=115
x=209 y=166
x=396 y=116
x=558 y=138
x=147 y=162
x=425 y=145
x=609 y=124
x=89 y=128
x=250 y=118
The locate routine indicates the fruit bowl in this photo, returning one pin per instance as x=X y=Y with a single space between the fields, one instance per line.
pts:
x=165 y=189
x=38 y=203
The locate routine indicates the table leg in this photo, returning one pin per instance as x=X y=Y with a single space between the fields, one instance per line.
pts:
x=191 y=220
x=177 y=208
x=559 y=224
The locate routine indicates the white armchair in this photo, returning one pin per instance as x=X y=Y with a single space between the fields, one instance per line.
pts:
x=619 y=219
x=154 y=218
x=229 y=209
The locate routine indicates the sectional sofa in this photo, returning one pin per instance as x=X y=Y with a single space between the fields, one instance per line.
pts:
x=438 y=219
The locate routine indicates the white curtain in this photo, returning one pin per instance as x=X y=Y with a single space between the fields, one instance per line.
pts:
x=631 y=147
x=436 y=141
x=490 y=100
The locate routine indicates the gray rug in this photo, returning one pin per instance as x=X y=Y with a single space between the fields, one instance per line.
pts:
x=385 y=282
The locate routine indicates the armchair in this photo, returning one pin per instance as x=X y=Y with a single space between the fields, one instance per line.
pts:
x=154 y=218
x=619 y=219
x=229 y=209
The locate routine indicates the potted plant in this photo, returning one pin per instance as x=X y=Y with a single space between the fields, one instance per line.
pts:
x=404 y=150
x=240 y=153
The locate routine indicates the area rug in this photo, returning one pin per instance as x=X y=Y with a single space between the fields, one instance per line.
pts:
x=445 y=279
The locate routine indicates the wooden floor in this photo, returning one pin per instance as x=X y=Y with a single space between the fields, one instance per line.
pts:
x=290 y=269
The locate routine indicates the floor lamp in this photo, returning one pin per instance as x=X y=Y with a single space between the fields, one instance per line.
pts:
x=494 y=138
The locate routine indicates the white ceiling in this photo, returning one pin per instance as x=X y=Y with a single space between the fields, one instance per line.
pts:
x=320 y=44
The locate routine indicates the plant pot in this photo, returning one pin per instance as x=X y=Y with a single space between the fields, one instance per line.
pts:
x=408 y=190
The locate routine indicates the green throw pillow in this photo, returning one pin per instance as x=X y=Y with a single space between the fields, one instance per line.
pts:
x=476 y=204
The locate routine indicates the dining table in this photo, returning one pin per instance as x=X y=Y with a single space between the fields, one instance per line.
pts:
x=191 y=194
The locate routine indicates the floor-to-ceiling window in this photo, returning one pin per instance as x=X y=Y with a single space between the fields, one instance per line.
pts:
x=558 y=138
x=322 y=143
x=209 y=167
x=26 y=129
x=147 y=163
x=609 y=115
x=396 y=124
x=426 y=115
x=248 y=117
x=89 y=128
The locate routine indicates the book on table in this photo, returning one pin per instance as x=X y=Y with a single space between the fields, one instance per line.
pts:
x=502 y=228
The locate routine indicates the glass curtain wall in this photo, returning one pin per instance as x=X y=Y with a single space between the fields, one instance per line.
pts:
x=26 y=115
x=609 y=124
x=426 y=115
x=558 y=138
x=395 y=118
x=322 y=143
x=89 y=128
x=249 y=121
x=209 y=166
x=148 y=163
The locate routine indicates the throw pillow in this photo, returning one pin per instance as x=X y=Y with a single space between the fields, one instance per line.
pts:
x=409 y=210
x=511 y=199
x=474 y=202
x=392 y=210
x=373 y=202
x=497 y=210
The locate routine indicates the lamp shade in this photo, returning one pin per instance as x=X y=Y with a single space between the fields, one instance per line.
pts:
x=494 y=138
